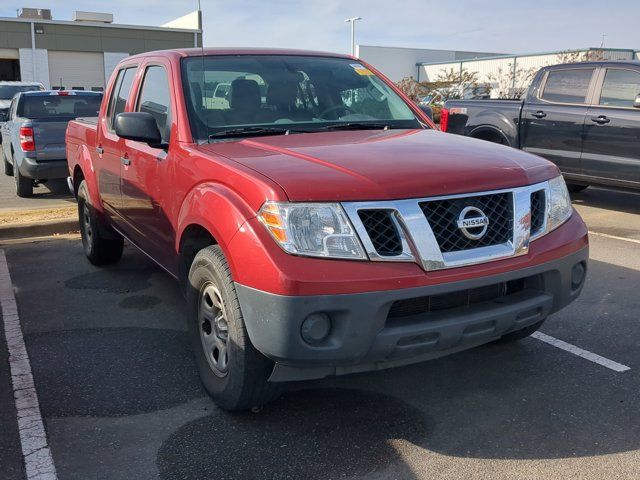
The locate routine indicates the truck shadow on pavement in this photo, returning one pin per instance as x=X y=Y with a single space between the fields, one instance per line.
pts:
x=527 y=400
x=614 y=200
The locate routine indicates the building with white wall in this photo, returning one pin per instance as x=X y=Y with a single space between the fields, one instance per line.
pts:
x=398 y=62
x=517 y=70
x=81 y=53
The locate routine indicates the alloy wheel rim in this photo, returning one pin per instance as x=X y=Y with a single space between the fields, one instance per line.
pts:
x=214 y=329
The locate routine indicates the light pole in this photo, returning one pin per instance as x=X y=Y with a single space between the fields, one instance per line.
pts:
x=353 y=21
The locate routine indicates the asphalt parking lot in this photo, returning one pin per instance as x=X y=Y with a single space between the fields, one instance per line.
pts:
x=121 y=399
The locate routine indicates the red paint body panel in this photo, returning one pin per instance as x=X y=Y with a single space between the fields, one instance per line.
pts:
x=383 y=165
x=221 y=186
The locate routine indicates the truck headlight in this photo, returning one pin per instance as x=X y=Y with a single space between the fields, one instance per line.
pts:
x=560 y=208
x=312 y=229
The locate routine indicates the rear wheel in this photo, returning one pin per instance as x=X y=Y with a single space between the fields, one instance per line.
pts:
x=520 y=334
x=102 y=245
x=233 y=372
x=24 y=186
x=575 y=188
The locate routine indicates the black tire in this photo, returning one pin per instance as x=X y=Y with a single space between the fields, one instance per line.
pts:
x=236 y=377
x=520 y=334
x=575 y=188
x=8 y=167
x=24 y=186
x=102 y=245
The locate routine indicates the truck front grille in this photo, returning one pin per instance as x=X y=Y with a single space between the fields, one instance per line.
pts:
x=432 y=231
x=538 y=208
x=382 y=231
x=443 y=216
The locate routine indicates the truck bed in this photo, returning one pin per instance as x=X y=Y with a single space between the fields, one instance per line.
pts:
x=478 y=118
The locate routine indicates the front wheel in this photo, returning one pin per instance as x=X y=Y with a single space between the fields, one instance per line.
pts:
x=102 y=245
x=8 y=167
x=232 y=371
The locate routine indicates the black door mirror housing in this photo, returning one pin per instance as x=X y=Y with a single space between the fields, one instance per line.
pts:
x=140 y=127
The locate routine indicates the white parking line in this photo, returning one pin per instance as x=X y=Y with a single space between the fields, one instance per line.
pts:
x=614 y=237
x=33 y=438
x=592 y=357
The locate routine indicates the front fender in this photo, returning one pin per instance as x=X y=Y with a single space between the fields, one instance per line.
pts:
x=218 y=209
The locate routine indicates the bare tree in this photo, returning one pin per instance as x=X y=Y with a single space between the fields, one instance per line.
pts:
x=511 y=83
x=412 y=89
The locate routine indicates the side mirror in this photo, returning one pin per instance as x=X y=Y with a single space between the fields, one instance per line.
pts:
x=140 y=127
x=636 y=102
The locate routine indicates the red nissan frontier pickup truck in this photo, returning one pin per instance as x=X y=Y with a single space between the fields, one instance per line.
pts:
x=317 y=221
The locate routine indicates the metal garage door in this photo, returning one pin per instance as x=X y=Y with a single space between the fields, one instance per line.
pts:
x=77 y=70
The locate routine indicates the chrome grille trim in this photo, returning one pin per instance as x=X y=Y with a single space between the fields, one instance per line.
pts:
x=419 y=243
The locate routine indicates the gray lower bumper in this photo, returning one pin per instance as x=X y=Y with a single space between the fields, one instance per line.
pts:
x=44 y=170
x=364 y=337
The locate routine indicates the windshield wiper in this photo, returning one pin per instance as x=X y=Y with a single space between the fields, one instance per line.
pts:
x=251 y=131
x=358 y=126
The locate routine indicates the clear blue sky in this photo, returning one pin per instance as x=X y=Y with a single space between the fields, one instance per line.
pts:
x=489 y=25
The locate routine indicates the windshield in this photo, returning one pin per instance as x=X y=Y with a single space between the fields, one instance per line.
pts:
x=246 y=92
x=64 y=106
x=8 y=91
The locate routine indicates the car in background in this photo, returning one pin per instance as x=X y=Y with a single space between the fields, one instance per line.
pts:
x=8 y=90
x=34 y=146
x=584 y=117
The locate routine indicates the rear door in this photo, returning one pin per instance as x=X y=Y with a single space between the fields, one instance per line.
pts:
x=110 y=147
x=146 y=172
x=553 y=116
x=611 y=150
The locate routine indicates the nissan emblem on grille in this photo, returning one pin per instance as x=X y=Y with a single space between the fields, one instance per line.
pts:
x=473 y=223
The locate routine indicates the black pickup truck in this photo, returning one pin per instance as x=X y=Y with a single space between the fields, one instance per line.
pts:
x=584 y=117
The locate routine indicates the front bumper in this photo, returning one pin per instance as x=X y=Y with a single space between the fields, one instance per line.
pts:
x=363 y=335
x=44 y=170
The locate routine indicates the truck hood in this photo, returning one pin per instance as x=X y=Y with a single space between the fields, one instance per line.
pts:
x=383 y=165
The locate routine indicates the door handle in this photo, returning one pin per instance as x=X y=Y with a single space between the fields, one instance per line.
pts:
x=125 y=161
x=100 y=150
x=601 y=119
x=539 y=114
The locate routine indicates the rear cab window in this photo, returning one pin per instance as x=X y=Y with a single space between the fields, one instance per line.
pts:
x=59 y=106
x=569 y=85
x=620 y=88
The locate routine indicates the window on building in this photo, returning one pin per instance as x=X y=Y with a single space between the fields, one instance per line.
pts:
x=155 y=99
x=567 y=86
x=620 y=88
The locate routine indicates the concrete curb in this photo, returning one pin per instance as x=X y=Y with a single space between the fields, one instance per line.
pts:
x=45 y=228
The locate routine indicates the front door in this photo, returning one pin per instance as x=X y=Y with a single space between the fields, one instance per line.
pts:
x=553 y=121
x=146 y=171
x=611 y=150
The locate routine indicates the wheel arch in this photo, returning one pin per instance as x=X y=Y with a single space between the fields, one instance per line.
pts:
x=491 y=134
x=211 y=214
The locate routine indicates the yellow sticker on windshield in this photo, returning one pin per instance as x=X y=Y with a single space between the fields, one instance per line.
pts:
x=361 y=69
